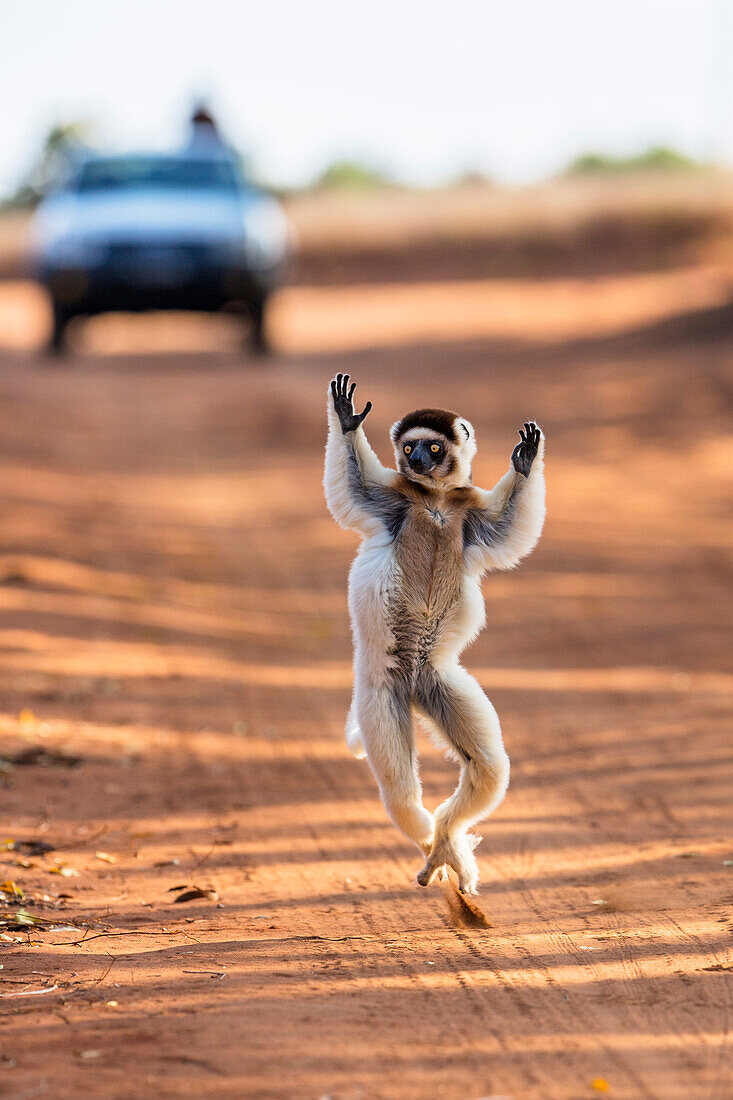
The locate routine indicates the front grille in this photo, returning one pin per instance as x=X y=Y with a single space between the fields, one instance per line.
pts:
x=129 y=254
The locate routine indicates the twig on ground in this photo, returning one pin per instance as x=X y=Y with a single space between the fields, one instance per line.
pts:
x=31 y=992
x=87 y=840
x=99 y=935
x=203 y=859
x=113 y=960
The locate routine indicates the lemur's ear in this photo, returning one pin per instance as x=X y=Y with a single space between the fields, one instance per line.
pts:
x=464 y=429
x=393 y=430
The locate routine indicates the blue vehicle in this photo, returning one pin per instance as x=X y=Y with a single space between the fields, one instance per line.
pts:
x=159 y=231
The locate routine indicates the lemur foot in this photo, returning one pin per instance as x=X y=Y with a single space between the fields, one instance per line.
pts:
x=426 y=845
x=525 y=452
x=455 y=852
x=441 y=872
x=343 y=403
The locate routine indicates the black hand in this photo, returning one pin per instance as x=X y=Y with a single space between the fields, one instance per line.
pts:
x=343 y=404
x=525 y=452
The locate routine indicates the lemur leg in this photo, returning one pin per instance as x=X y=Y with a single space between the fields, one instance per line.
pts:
x=457 y=706
x=354 y=739
x=385 y=721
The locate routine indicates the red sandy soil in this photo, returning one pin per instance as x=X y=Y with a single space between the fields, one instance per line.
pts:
x=173 y=613
x=308 y=320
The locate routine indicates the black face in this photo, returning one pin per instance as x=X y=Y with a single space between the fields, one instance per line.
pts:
x=423 y=455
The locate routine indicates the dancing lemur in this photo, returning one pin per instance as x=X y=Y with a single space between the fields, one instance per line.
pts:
x=415 y=602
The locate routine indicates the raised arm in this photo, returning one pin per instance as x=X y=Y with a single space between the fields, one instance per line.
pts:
x=360 y=492
x=505 y=523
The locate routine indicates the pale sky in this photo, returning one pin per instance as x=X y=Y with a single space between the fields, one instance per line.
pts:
x=514 y=88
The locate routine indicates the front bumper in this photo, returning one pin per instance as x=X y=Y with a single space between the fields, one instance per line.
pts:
x=138 y=278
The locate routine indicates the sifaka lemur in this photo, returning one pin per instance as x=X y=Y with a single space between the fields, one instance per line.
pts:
x=415 y=602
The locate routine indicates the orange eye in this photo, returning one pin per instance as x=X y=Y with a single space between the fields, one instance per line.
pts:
x=407 y=448
x=435 y=449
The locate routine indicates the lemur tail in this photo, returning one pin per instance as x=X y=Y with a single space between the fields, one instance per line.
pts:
x=353 y=735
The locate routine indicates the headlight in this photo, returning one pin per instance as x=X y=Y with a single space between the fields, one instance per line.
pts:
x=266 y=234
x=72 y=251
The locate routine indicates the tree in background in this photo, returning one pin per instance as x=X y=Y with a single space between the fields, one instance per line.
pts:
x=61 y=144
x=350 y=175
x=658 y=158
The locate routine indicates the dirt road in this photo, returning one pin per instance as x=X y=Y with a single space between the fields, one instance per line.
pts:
x=172 y=613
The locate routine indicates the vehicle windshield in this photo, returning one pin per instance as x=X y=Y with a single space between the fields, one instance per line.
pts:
x=163 y=173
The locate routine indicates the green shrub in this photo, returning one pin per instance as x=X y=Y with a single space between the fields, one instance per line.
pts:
x=654 y=159
x=348 y=174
